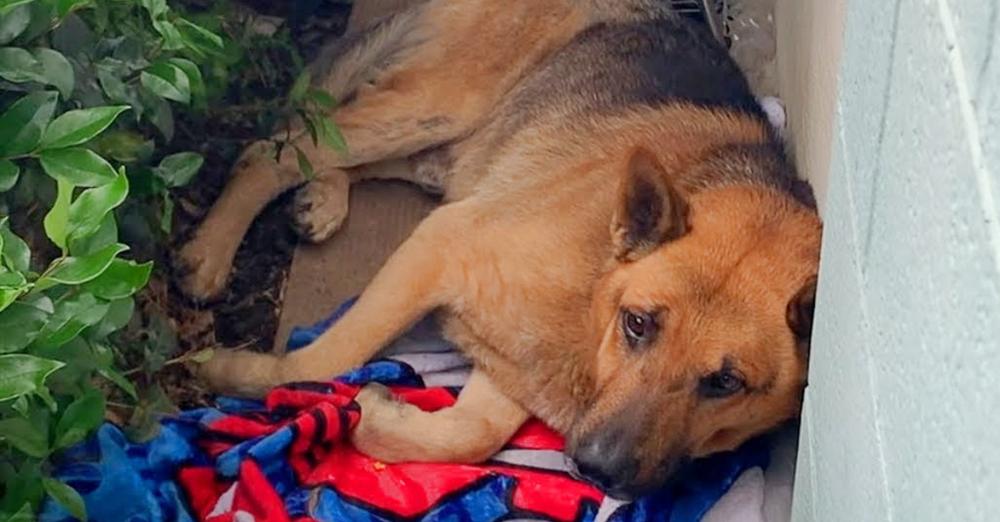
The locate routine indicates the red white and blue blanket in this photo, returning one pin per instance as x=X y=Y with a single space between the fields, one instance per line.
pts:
x=288 y=458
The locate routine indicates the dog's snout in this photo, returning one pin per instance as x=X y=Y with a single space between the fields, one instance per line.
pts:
x=607 y=464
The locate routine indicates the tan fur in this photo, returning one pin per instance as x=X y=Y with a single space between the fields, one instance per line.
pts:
x=523 y=263
x=460 y=433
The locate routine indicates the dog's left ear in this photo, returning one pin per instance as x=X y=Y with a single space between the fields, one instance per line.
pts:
x=799 y=313
x=650 y=210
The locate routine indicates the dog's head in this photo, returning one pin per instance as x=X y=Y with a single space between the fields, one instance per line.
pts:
x=704 y=321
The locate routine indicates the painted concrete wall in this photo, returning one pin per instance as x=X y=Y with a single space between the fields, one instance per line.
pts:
x=902 y=414
x=809 y=35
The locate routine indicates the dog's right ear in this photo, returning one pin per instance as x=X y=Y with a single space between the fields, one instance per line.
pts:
x=650 y=210
x=799 y=314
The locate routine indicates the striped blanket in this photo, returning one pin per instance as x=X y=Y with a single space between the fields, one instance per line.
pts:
x=287 y=458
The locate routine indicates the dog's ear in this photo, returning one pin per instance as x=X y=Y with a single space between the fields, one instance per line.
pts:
x=799 y=313
x=650 y=210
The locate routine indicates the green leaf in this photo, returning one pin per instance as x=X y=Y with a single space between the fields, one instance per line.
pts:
x=13 y=22
x=167 y=81
x=9 y=295
x=310 y=122
x=106 y=234
x=67 y=497
x=78 y=166
x=56 y=70
x=79 y=126
x=202 y=356
x=6 y=6
x=120 y=381
x=300 y=86
x=329 y=134
x=195 y=79
x=114 y=88
x=167 y=213
x=124 y=146
x=172 y=38
x=18 y=66
x=87 y=212
x=22 y=485
x=200 y=39
x=21 y=323
x=72 y=37
x=42 y=16
x=57 y=219
x=11 y=279
x=21 y=406
x=81 y=417
x=122 y=279
x=21 y=374
x=156 y=8
x=118 y=315
x=79 y=270
x=22 y=125
x=25 y=436
x=72 y=316
x=9 y=172
x=15 y=251
x=25 y=514
x=12 y=286
x=305 y=166
x=67 y=6
x=159 y=113
x=322 y=98
x=176 y=170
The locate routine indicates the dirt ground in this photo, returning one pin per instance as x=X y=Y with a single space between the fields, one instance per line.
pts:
x=247 y=314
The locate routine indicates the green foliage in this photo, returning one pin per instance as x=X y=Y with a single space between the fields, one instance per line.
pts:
x=87 y=87
x=92 y=93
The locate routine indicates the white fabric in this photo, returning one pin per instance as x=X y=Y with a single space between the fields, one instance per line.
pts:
x=744 y=502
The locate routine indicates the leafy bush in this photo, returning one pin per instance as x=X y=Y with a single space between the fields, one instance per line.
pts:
x=83 y=84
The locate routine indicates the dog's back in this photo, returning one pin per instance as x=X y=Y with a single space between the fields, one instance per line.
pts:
x=632 y=56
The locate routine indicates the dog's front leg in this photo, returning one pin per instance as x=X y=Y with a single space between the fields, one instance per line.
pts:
x=477 y=426
x=417 y=278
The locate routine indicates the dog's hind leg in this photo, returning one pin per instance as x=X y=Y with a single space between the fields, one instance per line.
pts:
x=478 y=425
x=379 y=123
x=419 y=277
x=422 y=78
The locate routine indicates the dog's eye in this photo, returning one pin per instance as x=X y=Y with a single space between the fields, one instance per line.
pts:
x=722 y=383
x=639 y=327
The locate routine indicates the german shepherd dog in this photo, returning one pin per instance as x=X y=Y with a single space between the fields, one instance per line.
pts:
x=623 y=250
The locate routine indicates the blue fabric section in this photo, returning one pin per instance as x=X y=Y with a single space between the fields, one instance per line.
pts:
x=705 y=484
x=485 y=502
x=386 y=372
x=122 y=481
x=303 y=336
x=125 y=482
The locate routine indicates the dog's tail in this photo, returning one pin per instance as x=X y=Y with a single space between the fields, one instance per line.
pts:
x=343 y=66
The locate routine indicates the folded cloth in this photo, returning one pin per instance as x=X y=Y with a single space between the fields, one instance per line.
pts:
x=288 y=458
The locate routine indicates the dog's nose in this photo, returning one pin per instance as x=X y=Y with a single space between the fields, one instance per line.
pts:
x=607 y=465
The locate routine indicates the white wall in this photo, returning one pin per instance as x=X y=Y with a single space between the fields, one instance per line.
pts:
x=902 y=414
x=809 y=35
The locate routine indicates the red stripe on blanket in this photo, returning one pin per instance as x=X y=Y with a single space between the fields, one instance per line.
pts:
x=320 y=455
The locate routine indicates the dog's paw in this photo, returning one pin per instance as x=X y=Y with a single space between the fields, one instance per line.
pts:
x=321 y=207
x=374 y=396
x=380 y=415
x=202 y=270
x=240 y=373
